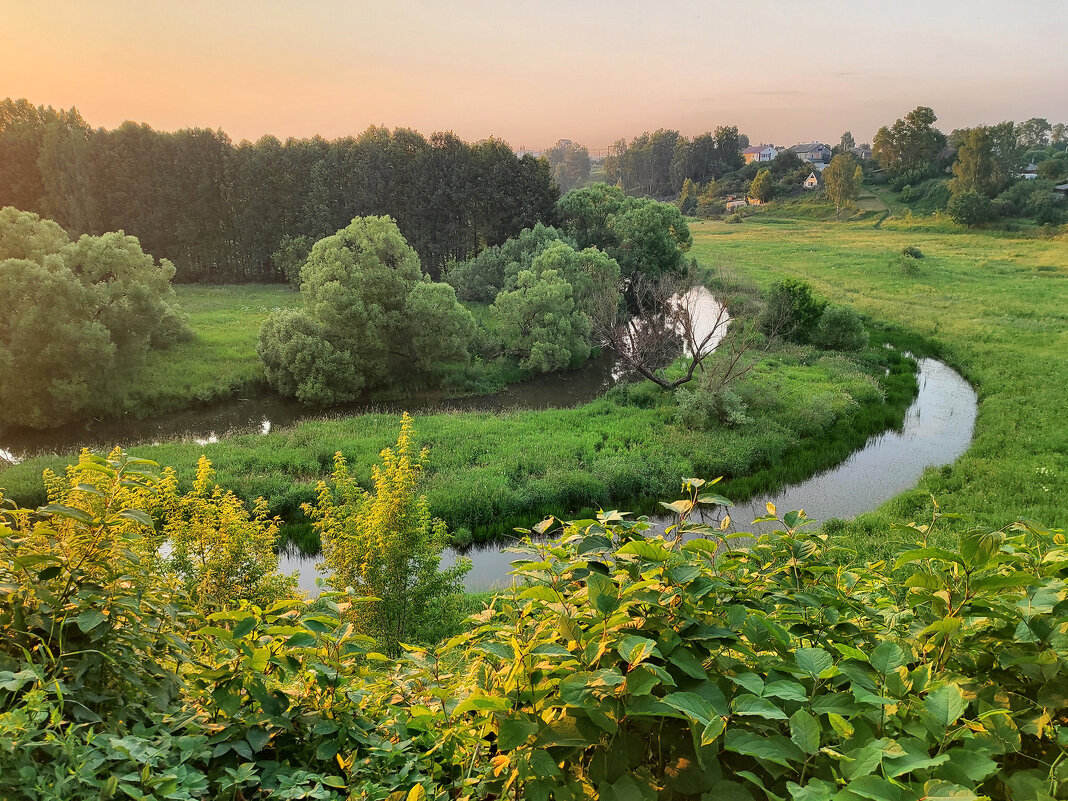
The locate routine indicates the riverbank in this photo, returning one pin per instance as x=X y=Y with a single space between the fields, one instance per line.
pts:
x=995 y=307
x=489 y=472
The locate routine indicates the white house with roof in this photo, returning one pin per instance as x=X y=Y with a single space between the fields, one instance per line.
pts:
x=812 y=152
x=759 y=153
x=813 y=181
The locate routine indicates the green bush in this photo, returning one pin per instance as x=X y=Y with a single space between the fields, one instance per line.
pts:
x=912 y=252
x=791 y=311
x=840 y=328
x=970 y=208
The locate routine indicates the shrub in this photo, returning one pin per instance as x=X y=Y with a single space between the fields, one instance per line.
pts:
x=734 y=218
x=840 y=328
x=912 y=252
x=698 y=408
x=370 y=317
x=970 y=208
x=791 y=311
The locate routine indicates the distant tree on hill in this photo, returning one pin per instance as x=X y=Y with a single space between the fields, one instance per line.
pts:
x=910 y=144
x=841 y=181
x=569 y=163
x=846 y=143
x=970 y=208
x=762 y=186
x=975 y=169
x=1033 y=132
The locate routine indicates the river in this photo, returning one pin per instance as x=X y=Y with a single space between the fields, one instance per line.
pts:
x=937 y=430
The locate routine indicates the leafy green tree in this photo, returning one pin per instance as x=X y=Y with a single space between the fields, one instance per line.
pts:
x=76 y=318
x=1034 y=132
x=483 y=276
x=687 y=201
x=570 y=164
x=974 y=170
x=846 y=143
x=385 y=545
x=841 y=181
x=970 y=208
x=539 y=323
x=762 y=186
x=642 y=235
x=912 y=143
x=358 y=328
x=792 y=311
x=289 y=259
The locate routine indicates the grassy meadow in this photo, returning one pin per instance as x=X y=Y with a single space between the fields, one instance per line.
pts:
x=220 y=361
x=992 y=305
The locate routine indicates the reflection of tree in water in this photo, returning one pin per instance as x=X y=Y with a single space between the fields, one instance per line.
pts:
x=672 y=315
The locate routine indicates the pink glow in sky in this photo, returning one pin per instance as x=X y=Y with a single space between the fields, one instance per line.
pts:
x=534 y=72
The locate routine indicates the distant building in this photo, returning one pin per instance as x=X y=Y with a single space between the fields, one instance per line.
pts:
x=812 y=152
x=759 y=153
x=862 y=152
x=1030 y=172
x=733 y=204
x=813 y=181
x=1061 y=190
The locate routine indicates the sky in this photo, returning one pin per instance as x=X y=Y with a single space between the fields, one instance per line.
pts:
x=534 y=72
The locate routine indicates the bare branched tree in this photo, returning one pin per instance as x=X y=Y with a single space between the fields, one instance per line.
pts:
x=674 y=314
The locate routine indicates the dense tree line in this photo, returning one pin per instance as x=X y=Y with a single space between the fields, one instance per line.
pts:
x=659 y=163
x=570 y=164
x=219 y=210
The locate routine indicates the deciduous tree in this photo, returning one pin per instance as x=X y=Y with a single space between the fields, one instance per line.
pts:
x=841 y=181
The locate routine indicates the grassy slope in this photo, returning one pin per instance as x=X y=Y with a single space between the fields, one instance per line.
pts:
x=998 y=308
x=221 y=361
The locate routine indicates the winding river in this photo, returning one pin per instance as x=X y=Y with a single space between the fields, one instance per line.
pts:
x=937 y=430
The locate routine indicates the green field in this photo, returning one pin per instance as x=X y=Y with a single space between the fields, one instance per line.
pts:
x=220 y=361
x=996 y=308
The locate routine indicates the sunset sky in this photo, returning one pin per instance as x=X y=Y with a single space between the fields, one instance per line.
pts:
x=534 y=72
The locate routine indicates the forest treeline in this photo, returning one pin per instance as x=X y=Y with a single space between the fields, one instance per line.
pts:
x=219 y=210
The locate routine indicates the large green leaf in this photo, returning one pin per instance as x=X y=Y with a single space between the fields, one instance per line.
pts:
x=692 y=706
x=753 y=706
x=513 y=732
x=635 y=649
x=805 y=731
x=946 y=704
x=775 y=749
x=888 y=656
x=813 y=661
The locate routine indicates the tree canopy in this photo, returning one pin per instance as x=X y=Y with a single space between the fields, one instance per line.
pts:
x=74 y=316
x=569 y=163
x=219 y=210
x=369 y=318
x=911 y=144
x=642 y=235
x=841 y=181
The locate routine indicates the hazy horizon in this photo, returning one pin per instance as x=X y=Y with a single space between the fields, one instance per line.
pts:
x=534 y=74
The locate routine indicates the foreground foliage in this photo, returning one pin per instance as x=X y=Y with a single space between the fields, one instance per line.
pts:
x=705 y=664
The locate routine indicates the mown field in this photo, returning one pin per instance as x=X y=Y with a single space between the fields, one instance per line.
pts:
x=994 y=306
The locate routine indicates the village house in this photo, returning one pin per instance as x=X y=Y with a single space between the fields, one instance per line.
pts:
x=861 y=152
x=759 y=153
x=813 y=181
x=812 y=152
